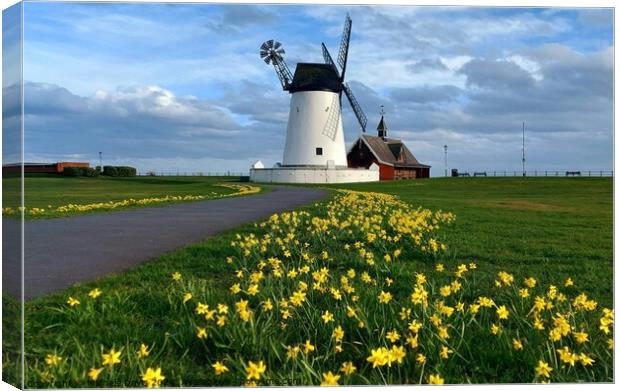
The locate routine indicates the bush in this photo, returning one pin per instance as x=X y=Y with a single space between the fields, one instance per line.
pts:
x=126 y=171
x=72 y=171
x=119 y=171
x=110 y=171
x=90 y=172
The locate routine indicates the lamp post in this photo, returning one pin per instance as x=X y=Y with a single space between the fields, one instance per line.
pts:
x=445 y=158
x=100 y=154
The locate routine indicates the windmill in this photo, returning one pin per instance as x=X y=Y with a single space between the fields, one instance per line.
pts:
x=314 y=135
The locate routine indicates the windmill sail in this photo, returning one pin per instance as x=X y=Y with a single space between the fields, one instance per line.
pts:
x=328 y=58
x=343 y=52
x=357 y=109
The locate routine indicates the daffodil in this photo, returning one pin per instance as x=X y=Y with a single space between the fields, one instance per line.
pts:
x=152 y=378
x=292 y=351
x=267 y=305
x=435 y=379
x=219 y=368
x=95 y=293
x=73 y=302
x=396 y=354
x=385 y=297
x=543 y=369
x=585 y=359
x=201 y=332
x=308 y=347
x=348 y=368
x=329 y=379
x=378 y=357
x=517 y=344
x=187 y=297
x=502 y=312
x=143 y=351
x=393 y=336
x=255 y=370
x=445 y=352
x=338 y=333
x=53 y=360
x=176 y=276
x=327 y=317
x=94 y=373
x=581 y=337
x=111 y=358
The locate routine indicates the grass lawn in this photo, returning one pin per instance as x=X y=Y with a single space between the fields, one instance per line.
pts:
x=49 y=191
x=554 y=227
x=547 y=228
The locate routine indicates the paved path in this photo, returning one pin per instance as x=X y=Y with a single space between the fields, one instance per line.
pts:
x=60 y=252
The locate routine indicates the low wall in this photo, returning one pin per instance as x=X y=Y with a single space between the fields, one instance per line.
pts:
x=312 y=175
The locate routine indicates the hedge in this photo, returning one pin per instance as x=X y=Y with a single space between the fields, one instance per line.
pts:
x=119 y=171
x=80 y=171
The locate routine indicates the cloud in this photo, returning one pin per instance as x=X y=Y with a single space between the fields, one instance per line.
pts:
x=134 y=123
x=428 y=64
x=597 y=17
x=496 y=74
x=190 y=86
x=426 y=94
x=235 y=17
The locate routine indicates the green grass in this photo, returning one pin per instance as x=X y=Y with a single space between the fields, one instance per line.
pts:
x=547 y=228
x=48 y=190
x=552 y=227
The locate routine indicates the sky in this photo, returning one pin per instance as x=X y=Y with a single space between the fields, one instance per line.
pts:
x=181 y=87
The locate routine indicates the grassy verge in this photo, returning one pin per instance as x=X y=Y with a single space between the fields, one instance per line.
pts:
x=146 y=305
x=48 y=196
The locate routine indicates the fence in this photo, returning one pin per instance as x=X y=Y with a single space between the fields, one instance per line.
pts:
x=185 y=173
x=535 y=173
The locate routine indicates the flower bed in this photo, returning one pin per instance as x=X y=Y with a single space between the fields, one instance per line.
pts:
x=112 y=205
x=327 y=297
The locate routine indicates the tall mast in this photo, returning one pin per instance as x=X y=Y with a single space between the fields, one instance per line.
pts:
x=523 y=149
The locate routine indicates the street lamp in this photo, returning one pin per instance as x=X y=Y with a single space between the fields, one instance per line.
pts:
x=445 y=151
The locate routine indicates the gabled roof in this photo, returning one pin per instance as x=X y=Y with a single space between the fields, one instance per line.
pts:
x=392 y=152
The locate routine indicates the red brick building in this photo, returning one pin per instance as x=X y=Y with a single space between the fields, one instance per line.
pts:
x=50 y=168
x=394 y=159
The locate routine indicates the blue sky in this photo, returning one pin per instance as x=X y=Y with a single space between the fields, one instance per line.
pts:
x=180 y=87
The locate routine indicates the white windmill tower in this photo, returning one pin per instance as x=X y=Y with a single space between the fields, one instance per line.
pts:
x=314 y=135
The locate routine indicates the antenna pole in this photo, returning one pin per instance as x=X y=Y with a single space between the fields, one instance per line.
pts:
x=523 y=149
x=445 y=158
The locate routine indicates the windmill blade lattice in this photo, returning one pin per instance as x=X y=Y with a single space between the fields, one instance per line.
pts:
x=357 y=109
x=271 y=51
x=343 y=52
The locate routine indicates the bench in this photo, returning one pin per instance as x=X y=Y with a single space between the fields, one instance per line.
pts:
x=480 y=173
x=573 y=173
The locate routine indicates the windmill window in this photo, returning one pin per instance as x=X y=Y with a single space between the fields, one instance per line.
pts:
x=319 y=151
